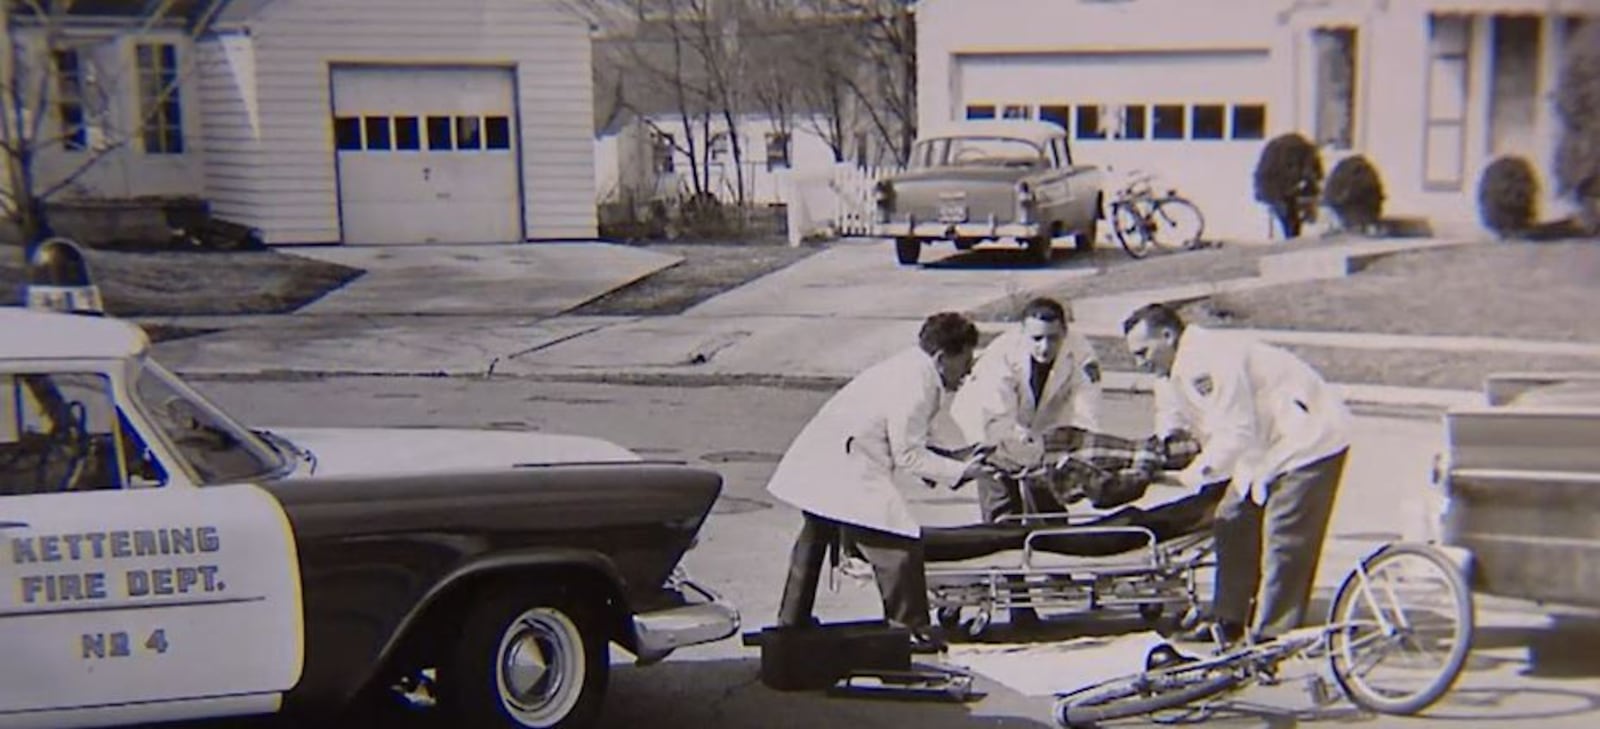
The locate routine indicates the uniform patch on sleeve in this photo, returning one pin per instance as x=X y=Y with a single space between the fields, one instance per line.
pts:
x=1204 y=385
x=1091 y=370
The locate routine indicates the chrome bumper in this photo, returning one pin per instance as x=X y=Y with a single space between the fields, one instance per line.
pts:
x=957 y=230
x=657 y=634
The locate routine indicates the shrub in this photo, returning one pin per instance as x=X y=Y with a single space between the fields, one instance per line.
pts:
x=1508 y=194
x=1287 y=180
x=1577 y=103
x=1355 y=193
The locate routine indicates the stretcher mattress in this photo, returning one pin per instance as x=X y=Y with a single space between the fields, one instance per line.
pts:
x=1175 y=518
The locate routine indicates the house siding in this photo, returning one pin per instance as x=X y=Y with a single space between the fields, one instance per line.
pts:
x=292 y=192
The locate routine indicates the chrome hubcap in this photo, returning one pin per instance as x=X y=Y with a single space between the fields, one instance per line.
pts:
x=540 y=667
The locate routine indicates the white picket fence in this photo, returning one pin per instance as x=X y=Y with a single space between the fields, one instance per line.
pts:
x=835 y=202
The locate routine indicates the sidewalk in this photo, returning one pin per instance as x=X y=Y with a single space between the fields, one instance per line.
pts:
x=822 y=320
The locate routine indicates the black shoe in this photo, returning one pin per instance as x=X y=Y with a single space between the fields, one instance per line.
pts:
x=1224 y=631
x=927 y=640
x=1165 y=656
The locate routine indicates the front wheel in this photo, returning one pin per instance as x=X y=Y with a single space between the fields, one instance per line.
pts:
x=529 y=660
x=1403 y=624
x=1128 y=226
x=1142 y=694
x=1176 y=224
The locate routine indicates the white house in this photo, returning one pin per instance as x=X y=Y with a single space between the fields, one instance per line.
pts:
x=368 y=121
x=647 y=158
x=1429 y=90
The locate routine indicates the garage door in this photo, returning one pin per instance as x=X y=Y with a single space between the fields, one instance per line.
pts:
x=427 y=155
x=1196 y=118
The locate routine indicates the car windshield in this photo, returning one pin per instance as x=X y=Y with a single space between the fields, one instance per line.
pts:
x=217 y=448
x=978 y=152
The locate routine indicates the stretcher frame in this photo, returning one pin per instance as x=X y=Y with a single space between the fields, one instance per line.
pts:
x=1152 y=579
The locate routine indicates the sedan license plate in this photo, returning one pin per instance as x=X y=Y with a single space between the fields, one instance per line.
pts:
x=952 y=213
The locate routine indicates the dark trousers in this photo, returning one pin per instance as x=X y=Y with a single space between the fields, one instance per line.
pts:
x=1269 y=553
x=999 y=497
x=896 y=561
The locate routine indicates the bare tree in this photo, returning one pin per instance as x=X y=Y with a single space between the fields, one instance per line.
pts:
x=64 y=86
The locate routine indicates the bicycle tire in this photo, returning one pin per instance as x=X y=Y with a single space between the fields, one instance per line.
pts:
x=1162 y=223
x=1355 y=687
x=1128 y=696
x=1125 y=233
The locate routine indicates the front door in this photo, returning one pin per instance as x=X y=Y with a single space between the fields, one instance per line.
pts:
x=124 y=591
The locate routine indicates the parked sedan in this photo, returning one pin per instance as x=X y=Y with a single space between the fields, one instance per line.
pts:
x=1519 y=487
x=976 y=181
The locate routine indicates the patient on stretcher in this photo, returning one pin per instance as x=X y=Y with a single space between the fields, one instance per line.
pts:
x=1106 y=470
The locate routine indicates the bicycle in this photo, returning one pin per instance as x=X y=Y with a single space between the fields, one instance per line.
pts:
x=1172 y=681
x=1142 y=220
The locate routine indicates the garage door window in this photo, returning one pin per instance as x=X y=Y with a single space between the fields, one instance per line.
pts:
x=496 y=132
x=1206 y=121
x=1134 y=122
x=980 y=111
x=1169 y=122
x=1249 y=121
x=439 y=136
x=377 y=128
x=407 y=134
x=347 y=133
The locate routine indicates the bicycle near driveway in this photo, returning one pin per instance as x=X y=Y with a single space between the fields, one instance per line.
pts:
x=1144 y=221
x=1405 y=601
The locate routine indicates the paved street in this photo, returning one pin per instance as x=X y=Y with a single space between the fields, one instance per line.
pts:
x=1525 y=671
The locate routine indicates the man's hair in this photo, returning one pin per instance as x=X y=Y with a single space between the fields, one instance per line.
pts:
x=1157 y=316
x=1045 y=309
x=947 y=332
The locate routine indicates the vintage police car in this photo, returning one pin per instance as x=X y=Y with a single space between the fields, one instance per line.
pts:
x=163 y=561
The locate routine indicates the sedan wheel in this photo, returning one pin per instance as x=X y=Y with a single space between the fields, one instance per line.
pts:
x=530 y=662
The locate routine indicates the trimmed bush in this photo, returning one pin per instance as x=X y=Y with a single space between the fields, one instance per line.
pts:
x=1508 y=196
x=1287 y=180
x=1355 y=193
x=1577 y=105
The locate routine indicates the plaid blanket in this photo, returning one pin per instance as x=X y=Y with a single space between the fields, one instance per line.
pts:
x=1110 y=470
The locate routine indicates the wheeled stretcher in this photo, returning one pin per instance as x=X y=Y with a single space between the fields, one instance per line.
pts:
x=1131 y=557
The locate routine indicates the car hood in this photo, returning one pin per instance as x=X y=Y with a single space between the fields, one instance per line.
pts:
x=399 y=451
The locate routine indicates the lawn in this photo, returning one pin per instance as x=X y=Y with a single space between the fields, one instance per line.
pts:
x=707 y=269
x=1548 y=291
x=169 y=283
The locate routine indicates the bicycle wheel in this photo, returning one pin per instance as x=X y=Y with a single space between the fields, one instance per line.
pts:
x=1176 y=224
x=1129 y=228
x=1420 y=595
x=1143 y=693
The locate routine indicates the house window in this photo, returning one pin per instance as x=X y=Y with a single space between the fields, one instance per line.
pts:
x=69 y=100
x=1168 y=121
x=777 y=150
x=1336 y=86
x=661 y=152
x=497 y=132
x=1514 y=85
x=980 y=111
x=1088 y=122
x=1444 y=138
x=440 y=133
x=1017 y=112
x=1061 y=115
x=347 y=133
x=1133 y=122
x=407 y=133
x=1206 y=121
x=1249 y=122
x=377 y=129
x=160 y=104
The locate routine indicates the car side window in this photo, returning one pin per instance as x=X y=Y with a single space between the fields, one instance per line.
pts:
x=59 y=434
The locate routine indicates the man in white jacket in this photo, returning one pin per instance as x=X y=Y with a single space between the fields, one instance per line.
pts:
x=845 y=469
x=1035 y=379
x=1271 y=426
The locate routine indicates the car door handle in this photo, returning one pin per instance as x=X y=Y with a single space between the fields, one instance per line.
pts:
x=13 y=524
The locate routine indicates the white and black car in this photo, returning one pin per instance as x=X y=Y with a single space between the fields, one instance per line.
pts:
x=162 y=561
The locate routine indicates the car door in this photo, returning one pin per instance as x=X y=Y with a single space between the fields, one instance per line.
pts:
x=127 y=591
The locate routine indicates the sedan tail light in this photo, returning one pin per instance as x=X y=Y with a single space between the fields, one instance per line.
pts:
x=884 y=192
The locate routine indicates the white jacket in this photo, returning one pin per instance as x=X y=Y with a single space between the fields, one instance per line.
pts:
x=865 y=443
x=1258 y=410
x=996 y=406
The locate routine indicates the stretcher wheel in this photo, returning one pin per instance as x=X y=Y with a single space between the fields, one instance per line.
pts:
x=949 y=617
x=978 y=624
